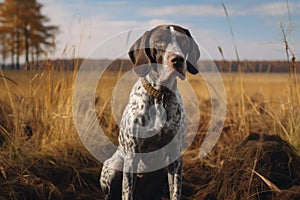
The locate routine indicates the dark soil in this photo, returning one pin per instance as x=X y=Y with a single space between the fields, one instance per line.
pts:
x=267 y=155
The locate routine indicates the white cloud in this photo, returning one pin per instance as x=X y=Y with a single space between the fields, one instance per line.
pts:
x=266 y=9
x=183 y=10
x=275 y=9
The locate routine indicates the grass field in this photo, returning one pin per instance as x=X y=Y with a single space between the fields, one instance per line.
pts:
x=41 y=156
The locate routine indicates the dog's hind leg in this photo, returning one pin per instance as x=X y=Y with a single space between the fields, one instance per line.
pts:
x=111 y=178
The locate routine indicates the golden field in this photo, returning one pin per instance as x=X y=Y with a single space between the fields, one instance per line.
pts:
x=41 y=156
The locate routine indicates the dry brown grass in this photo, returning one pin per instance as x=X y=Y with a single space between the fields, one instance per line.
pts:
x=54 y=164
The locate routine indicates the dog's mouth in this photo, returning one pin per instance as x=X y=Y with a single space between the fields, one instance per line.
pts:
x=177 y=63
x=173 y=73
x=180 y=73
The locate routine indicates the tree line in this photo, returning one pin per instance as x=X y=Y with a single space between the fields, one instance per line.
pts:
x=124 y=65
x=24 y=31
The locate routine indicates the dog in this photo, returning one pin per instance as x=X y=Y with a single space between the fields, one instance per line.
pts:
x=154 y=118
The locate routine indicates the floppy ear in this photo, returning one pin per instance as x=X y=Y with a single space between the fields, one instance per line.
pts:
x=194 y=55
x=139 y=55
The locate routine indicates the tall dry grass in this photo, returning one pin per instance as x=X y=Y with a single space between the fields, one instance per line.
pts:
x=53 y=162
x=41 y=154
x=286 y=114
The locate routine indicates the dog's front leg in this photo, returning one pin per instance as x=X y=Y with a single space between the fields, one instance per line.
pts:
x=175 y=179
x=129 y=177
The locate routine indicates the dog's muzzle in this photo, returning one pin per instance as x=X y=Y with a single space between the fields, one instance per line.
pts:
x=177 y=63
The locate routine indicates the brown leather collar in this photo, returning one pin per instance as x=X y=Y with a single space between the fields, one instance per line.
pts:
x=154 y=92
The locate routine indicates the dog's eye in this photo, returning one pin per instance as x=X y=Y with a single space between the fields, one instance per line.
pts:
x=159 y=43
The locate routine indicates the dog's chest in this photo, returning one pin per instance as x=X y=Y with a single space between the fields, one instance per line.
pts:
x=149 y=124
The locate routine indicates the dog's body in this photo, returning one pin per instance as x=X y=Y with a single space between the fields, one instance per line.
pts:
x=154 y=117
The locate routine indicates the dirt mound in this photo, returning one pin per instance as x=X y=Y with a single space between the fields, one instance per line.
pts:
x=28 y=187
x=261 y=167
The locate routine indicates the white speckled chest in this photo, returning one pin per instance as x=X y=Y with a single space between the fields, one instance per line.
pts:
x=149 y=124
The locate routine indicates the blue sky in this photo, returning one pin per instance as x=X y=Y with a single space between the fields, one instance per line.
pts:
x=256 y=24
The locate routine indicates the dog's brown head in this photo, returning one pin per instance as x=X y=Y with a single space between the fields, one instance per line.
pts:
x=167 y=51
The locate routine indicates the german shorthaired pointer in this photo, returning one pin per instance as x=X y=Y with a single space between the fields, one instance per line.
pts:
x=153 y=118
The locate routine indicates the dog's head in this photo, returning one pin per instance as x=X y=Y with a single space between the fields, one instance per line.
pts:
x=166 y=51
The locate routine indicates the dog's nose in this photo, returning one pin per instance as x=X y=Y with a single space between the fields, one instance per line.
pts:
x=176 y=60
